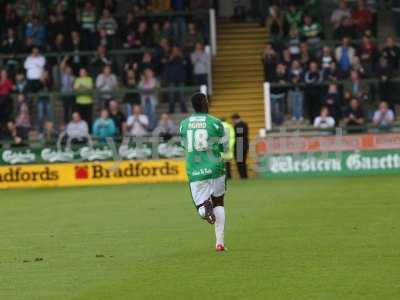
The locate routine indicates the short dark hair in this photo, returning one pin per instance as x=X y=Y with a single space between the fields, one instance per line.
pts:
x=199 y=102
x=235 y=116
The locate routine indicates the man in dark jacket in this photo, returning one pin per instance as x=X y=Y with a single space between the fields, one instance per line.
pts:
x=241 y=145
x=396 y=16
x=175 y=77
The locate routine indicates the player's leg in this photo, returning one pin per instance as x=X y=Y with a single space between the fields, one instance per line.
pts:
x=201 y=194
x=219 y=189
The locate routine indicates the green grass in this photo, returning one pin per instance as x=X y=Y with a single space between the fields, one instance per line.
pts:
x=297 y=239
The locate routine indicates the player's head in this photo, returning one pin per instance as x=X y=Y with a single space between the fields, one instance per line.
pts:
x=199 y=103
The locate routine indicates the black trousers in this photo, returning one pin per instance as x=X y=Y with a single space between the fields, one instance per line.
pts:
x=228 y=170
x=242 y=166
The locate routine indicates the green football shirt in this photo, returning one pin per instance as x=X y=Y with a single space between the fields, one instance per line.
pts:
x=203 y=137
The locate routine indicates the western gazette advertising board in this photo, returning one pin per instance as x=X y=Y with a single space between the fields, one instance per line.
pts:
x=339 y=155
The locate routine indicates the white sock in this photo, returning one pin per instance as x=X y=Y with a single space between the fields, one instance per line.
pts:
x=219 y=213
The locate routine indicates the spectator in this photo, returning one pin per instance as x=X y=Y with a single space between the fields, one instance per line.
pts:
x=6 y=104
x=383 y=117
x=191 y=38
x=293 y=17
x=324 y=120
x=332 y=101
x=313 y=93
x=87 y=20
x=278 y=94
x=104 y=126
x=367 y=52
x=22 y=119
x=109 y=25
x=131 y=98
x=175 y=77
x=166 y=128
x=357 y=87
x=311 y=31
x=14 y=135
x=117 y=116
x=67 y=79
x=36 y=31
x=10 y=47
x=305 y=56
x=385 y=87
x=362 y=17
x=332 y=73
x=43 y=101
x=167 y=32
x=100 y=60
x=76 y=46
x=354 y=116
x=143 y=36
x=296 y=97
x=340 y=13
x=127 y=32
x=77 y=130
x=294 y=43
x=364 y=70
x=396 y=16
x=241 y=144
x=270 y=60
x=49 y=134
x=21 y=85
x=201 y=62
x=146 y=63
x=138 y=123
x=83 y=85
x=344 y=55
x=392 y=52
x=345 y=29
x=34 y=66
x=107 y=84
x=148 y=86
x=327 y=58
x=275 y=24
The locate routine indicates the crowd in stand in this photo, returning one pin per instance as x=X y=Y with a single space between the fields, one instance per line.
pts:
x=330 y=83
x=170 y=53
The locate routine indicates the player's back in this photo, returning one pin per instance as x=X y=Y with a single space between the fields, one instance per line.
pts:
x=202 y=136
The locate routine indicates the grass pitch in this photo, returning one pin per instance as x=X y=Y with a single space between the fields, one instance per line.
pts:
x=298 y=239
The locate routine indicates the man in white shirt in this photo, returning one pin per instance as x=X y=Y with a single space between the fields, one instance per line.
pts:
x=384 y=117
x=77 y=130
x=324 y=120
x=137 y=123
x=34 y=66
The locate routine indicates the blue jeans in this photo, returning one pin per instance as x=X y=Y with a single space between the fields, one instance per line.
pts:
x=297 y=99
x=150 y=112
x=180 y=96
x=43 y=110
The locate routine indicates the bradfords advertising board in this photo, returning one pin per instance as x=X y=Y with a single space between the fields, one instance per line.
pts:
x=330 y=163
x=91 y=173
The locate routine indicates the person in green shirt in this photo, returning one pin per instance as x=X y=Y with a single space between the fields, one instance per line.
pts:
x=203 y=137
x=293 y=17
x=84 y=100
